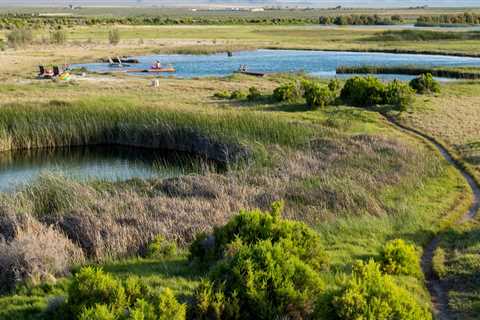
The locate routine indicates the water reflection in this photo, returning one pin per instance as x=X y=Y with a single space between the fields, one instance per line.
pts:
x=112 y=163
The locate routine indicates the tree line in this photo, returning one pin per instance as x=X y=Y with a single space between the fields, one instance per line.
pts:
x=15 y=21
x=466 y=18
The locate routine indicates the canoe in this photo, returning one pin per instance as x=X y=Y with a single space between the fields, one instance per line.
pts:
x=152 y=70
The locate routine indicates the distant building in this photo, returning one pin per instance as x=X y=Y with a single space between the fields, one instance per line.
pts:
x=257 y=10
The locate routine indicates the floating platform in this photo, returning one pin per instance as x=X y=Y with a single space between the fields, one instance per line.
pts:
x=122 y=60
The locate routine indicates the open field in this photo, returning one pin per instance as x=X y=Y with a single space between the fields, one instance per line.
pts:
x=452 y=117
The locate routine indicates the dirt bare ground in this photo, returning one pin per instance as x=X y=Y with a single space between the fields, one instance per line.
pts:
x=435 y=286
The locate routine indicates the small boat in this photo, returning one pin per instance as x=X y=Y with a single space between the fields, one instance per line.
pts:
x=157 y=70
x=168 y=69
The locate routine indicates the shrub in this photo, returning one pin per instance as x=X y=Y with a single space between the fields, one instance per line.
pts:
x=398 y=257
x=363 y=91
x=369 y=294
x=238 y=95
x=316 y=95
x=334 y=85
x=261 y=281
x=58 y=37
x=114 y=37
x=94 y=294
x=253 y=94
x=19 y=38
x=169 y=308
x=399 y=95
x=289 y=92
x=263 y=267
x=425 y=84
x=250 y=227
x=161 y=248
x=91 y=287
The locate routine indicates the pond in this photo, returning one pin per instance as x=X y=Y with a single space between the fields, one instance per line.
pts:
x=318 y=63
x=109 y=163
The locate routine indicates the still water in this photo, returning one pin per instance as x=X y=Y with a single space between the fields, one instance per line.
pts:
x=318 y=63
x=110 y=163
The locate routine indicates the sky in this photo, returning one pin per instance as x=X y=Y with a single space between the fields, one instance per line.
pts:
x=319 y=3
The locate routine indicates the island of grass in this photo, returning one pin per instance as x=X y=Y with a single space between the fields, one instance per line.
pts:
x=467 y=73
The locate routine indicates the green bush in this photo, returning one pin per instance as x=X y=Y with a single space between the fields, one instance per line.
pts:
x=261 y=281
x=161 y=248
x=263 y=267
x=165 y=307
x=168 y=308
x=399 y=95
x=288 y=92
x=253 y=226
x=363 y=91
x=19 y=38
x=334 y=85
x=114 y=36
x=238 y=95
x=398 y=257
x=94 y=294
x=91 y=286
x=369 y=294
x=58 y=37
x=316 y=95
x=254 y=94
x=425 y=84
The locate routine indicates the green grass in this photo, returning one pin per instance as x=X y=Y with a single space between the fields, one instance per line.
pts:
x=114 y=120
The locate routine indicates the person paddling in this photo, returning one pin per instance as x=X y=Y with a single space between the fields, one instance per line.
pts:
x=157 y=65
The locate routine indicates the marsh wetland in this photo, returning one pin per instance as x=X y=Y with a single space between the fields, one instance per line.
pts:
x=209 y=194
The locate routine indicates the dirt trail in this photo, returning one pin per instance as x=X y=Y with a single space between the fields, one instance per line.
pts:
x=438 y=293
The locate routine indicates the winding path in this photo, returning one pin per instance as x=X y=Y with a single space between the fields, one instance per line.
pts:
x=438 y=293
